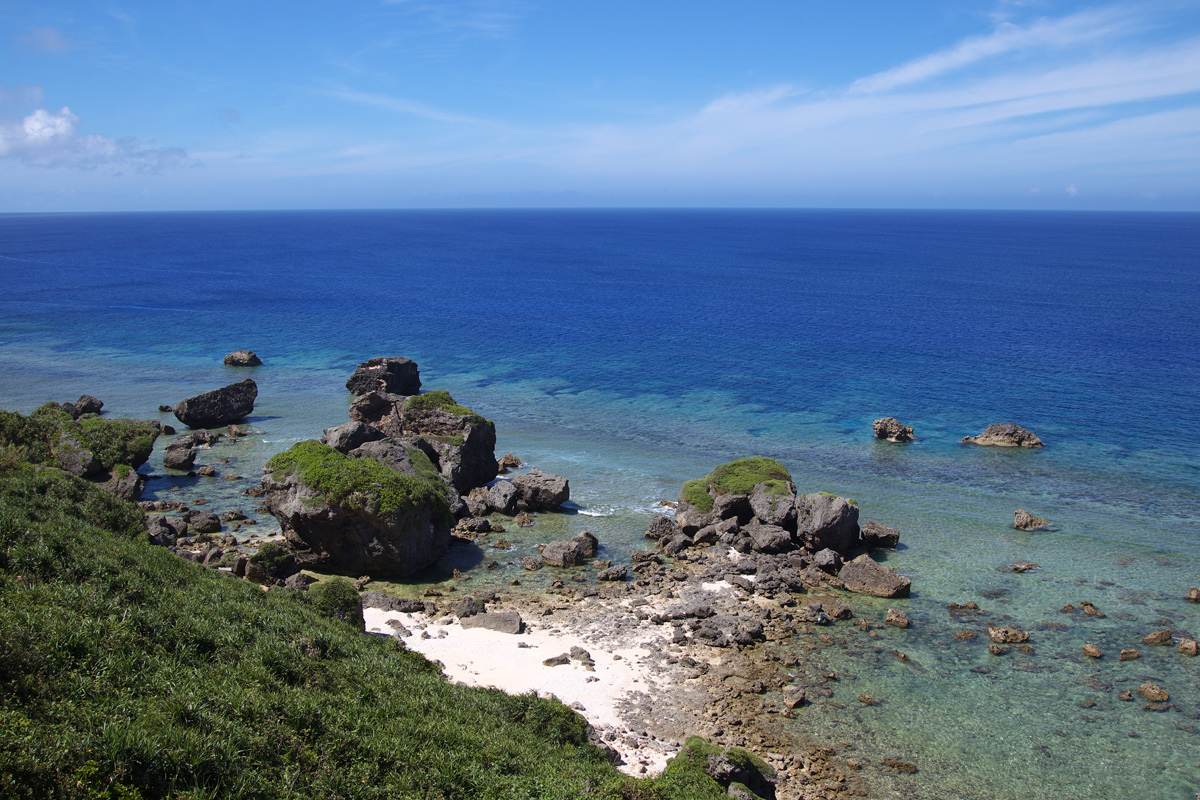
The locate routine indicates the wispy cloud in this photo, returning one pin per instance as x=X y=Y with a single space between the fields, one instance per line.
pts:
x=401 y=105
x=1044 y=34
x=52 y=139
x=44 y=39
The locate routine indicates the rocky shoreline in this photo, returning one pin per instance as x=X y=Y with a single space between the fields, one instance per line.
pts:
x=708 y=624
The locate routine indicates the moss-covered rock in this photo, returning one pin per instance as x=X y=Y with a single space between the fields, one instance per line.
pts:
x=736 y=477
x=356 y=515
x=440 y=400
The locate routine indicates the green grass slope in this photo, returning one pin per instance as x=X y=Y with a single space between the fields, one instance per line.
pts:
x=127 y=673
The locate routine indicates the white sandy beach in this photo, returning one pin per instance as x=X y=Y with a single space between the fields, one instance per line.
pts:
x=513 y=663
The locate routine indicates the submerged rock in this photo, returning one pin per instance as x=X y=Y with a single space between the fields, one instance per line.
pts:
x=218 y=407
x=1091 y=651
x=895 y=618
x=1193 y=595
x=1005 y=434
x=892 y=430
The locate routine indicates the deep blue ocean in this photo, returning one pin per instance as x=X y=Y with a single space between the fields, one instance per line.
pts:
x=631 y=350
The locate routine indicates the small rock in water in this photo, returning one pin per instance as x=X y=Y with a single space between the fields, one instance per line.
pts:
x=1193 y=595
x=965 y=635
x=1024 y=521
x=905 y=767
x=1091 y=651
x=867 y=700
x=1088 y=608
x=1153 y=692
x=1159 y=638
x=997 y=650
x=897 y=619
x=1188 y=647
x=1008 y=635
x=1129 y=654
x=1125 y=695
x=1023 y=566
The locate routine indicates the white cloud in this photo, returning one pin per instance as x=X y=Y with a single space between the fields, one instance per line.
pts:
x=1007 y=38
x=1072 y=191
x=52 y=139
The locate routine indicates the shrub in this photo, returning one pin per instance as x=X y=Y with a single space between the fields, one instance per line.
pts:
x=337 y=598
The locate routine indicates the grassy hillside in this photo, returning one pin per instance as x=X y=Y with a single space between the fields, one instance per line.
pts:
x=128 y=673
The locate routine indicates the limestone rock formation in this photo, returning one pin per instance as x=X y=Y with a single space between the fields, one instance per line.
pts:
x=876 y=535
x=864 y=575
x=355 y=516
x=242 y=358
x=823 y=520
x=541 y=491
x=395 y=375
x=892 y=430
x=1005 y=434
x=218 y=407
x=1024 y=521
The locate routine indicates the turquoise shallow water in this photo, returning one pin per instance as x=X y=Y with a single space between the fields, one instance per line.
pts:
x=633 y=350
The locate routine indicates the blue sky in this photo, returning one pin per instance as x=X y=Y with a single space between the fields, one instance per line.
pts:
x=414 y=103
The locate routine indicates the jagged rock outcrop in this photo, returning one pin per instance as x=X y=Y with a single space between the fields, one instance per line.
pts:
x=751 y=506
x=86 y=404
x=242 y=358
x=1005 y=434
x=541 y=491
x=350 y=435
x=353 y=515
x=396 y=375
x=892 y=430
x=876 y=535
x=460 y=443
x=1024 y=521
x=218 y=407
x=824 y=520
x=865 y=575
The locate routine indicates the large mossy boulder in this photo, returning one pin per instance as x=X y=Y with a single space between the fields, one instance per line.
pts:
x=700 y=763
x=106 y=451
x=729 y=492
x=218 y=407
x=356 y=515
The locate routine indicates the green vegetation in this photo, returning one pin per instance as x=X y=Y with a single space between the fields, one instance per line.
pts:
x=737 y=477
x=357 y=482
x=270 y=554
x=423 y=465
x=442 y=401
x=114 y=442
x=337 y=598
x=849 y=500
x=127 y=673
